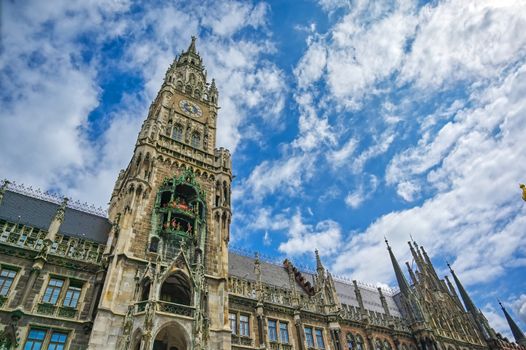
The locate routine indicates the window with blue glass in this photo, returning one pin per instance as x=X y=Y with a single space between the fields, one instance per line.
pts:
x=35 y=339
x=7 y=276
x=284 y=332
x=272 y=331
x=309 y=337
x=52 y=293
x=319 y=339
x=72 y=296
x=58 y=341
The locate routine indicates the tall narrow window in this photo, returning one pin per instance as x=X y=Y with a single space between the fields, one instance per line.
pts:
x=7 y=277
x=177 y=132
x=53 y=290
x=359 y=342
x=244 y=326
x=319 y=339
x=350 y=341
x=272 y=331
x=58 y=341
x=196 y=140
x=284 y=332
x=233 y=322
x=309 y=337
x=72 y=295
x=35 y=339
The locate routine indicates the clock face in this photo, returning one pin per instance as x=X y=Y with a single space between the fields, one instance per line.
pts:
x=190 y=108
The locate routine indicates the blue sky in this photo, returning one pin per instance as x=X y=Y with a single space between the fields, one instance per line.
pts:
x=348 y=121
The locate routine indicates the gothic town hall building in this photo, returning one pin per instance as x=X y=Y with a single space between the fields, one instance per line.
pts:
x=155 y=272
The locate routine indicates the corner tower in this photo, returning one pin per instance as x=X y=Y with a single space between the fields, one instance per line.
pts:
x=167 y=256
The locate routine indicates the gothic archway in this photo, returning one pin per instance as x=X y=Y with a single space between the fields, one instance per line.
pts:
x=176 y=289
x=172 y=336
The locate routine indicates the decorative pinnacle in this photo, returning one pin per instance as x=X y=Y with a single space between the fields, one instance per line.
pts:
x=387 y=243
x=523 y=188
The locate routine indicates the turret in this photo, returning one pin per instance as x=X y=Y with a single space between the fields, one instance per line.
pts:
x=515 y=330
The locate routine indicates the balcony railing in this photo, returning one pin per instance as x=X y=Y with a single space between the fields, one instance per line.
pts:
x=166 y=307
x=64 y=246
x=279 y=346
x=60 y=311
x=241 y=340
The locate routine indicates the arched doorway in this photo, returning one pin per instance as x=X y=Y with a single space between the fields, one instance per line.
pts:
x=171 y=337
x=176 y=289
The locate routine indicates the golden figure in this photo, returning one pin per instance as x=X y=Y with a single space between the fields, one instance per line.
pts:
x=523 y=187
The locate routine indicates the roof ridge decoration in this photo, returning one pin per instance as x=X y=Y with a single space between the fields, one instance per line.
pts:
x=55 y=198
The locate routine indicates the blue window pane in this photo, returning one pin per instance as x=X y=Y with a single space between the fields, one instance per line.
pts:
x=309 y=337
x=319 y=339
x=284 y=333
x=272 y=331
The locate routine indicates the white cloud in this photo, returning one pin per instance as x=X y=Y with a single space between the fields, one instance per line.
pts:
x=355 y=199
x=302 y=238
x=459 y=40
x=339 y=157
x=408 y=190
x=364 y=192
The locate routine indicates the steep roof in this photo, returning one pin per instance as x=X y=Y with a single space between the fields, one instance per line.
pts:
x=38 y=212
x=274 y=274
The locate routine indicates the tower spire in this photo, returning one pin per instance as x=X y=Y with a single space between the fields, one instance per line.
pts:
x=517 y=333
x=468 y=303
x=400 y=278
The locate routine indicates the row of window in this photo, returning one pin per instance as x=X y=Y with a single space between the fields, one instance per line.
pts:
x=44 y=339
x=54 y=290
x=176 y=132
x=278 y=331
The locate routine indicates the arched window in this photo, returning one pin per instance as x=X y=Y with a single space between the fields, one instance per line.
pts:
x=176 y=289
x=177 y=132
x=350 y=341
x=359 y=342
x=196 y=140
x=378 y=344
x=145 y=289
x=387 y=346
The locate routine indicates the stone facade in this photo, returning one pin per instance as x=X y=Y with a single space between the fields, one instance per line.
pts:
x=157 y=273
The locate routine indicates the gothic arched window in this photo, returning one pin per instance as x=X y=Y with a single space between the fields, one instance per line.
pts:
x=350 y=341
x=176 y=289
x=359 y=342
x=196 y=140
x=177 y=133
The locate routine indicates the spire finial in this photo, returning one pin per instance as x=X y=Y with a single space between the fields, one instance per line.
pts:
x=191 y=48
x=523 y=188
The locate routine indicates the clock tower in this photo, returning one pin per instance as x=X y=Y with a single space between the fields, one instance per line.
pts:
x=167 y=254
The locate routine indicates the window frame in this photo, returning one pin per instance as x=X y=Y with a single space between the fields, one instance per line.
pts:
x=4 y=279
x=244 y=326
x=309 y=336
x=278 y=328
x=60 y=344
x=53 y=289
x=68 y=284
x=47 y=342
x=235 y=316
